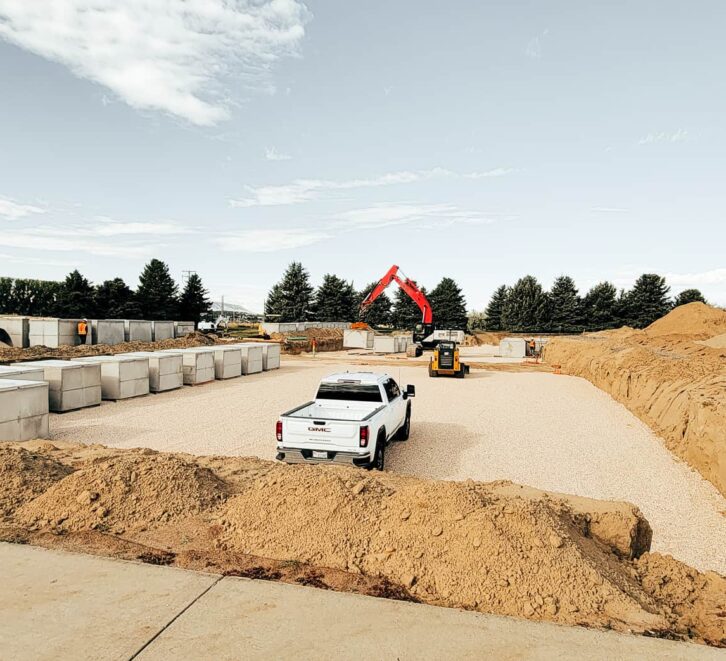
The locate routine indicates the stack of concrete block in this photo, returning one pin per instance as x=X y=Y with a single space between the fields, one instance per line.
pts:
x=197 y=365
x=270 y=356
x=182 y=328
x=402 y=341
x=165 y=369
x=71 y=384
x=15 y=331
x=53 y=333
x=227 y=362
x=162 y=330
x=108 y=331
x=137 y=330
x=385 y=344
x=23 y=410
x=21 y=373
x=251 y=357
x=122 y=376
x=513 y=347
x=358 y=339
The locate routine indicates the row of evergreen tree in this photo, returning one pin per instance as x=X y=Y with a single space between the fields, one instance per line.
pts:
x=156 y=297
x=527 y=307
x=295 y=299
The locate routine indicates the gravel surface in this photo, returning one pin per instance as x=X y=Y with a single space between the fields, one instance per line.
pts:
x=552 y=432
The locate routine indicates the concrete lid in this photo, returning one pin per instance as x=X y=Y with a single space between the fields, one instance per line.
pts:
x=16 y=369
x=118 y=358
x=149 y=354
x=17 y=384
x=50 y=363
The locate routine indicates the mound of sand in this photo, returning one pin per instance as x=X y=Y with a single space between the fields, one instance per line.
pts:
x=496 y=548
x=677 y=386
x=125 y=492
x=25 y=475
x=697 y=320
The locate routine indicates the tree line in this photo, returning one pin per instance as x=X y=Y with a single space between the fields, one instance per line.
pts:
x=294 y=298
x=527 y=307
x=157 y=297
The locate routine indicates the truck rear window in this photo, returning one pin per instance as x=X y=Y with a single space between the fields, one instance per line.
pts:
x=356 y=392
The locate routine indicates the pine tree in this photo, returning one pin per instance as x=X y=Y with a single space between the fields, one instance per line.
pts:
x=600 y=307
x=493 y=313
x=566 y=308
x=689 y=296
x=157 y=292
x=335 y=300
x=527 y=307
x=448 y=305
x=648 y=300
x=75 y=298
x=273 y=303
x=194 y=303
x=379 y=312
x=115 y=300
x=6 y=296
x=293 y=297
x=406 y=313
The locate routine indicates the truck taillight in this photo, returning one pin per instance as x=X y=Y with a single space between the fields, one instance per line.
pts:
x=363 y=436
x=278 y=431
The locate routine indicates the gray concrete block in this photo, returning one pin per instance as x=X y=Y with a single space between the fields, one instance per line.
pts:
x=17 y=331
x=22 y=373
x=108 y=331
x=358 y=339
x=54 y=333
x=162 y=330
x=23 y=410
x=227 y=362
x=122 y=376
x=270 y=356
x=137 y=330
x=513 y=347
x=182 y=328
x=165 y=369
x=385 y=344
x=251 y=357
x=197 y=365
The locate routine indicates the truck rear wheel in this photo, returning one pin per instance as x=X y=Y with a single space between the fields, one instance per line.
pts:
x=379 y=461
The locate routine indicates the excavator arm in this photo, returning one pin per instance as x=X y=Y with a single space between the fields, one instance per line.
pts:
x=405 y=283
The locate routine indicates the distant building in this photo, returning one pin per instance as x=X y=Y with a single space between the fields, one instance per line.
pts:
x=233 y=312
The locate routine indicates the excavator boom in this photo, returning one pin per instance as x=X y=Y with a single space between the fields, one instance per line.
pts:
x=408 y=285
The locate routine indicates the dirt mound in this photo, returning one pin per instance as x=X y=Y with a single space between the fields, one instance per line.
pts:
x=716 y=342
x=326 y=339
x=677 y=386
x=196 y=339
x=695 y=319
x=126 y=492
x=25 y=475
x=496 y=547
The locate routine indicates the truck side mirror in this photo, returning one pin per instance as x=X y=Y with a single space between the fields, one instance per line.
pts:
x=410 y=391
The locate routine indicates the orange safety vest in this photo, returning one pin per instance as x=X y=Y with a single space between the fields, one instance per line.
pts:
x=82 y=328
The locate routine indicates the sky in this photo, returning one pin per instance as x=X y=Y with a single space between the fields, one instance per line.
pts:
x=477 y=140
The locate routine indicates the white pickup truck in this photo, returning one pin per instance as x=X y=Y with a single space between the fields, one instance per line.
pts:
x=354 y=417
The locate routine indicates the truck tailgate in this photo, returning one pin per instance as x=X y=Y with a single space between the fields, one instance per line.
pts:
x=339 y=435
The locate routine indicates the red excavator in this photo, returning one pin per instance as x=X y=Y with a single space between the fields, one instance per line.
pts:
x=423 y=332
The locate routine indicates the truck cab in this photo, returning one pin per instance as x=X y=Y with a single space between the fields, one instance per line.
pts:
x=352 y=419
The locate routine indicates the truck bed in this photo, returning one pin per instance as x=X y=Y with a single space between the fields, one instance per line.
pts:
x=313 y=411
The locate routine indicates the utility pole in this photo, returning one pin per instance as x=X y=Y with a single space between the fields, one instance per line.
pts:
x=186 y=275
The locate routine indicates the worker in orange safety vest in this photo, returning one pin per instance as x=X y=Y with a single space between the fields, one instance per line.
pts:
x=83 y=330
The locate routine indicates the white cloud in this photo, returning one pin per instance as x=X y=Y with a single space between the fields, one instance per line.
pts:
x=664 y=136
x=177 y=57
x=534 y=46
x=304 y=190
x=608 y=209
x=271 y=154
x=110 y=227
x=269 y=240
x=14 y=211
x=703 y=279
x=67 y=242
x=427 y=216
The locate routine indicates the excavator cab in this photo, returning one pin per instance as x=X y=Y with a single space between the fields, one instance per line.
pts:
x=445 y=361
x=421 y=331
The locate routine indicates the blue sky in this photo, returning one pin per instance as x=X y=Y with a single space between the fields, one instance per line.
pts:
x=477 y=140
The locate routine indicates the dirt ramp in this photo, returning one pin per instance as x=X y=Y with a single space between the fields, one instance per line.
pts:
x=675 y=384
x=126 y=492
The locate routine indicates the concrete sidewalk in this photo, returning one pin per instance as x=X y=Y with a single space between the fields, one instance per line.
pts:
x=56 y=605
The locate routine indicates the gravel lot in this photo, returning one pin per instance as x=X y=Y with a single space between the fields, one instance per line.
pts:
x=552 y=432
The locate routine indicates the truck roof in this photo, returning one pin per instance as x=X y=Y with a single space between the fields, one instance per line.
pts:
x=362 y=377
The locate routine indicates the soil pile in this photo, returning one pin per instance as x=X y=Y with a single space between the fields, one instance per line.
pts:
x=40 y=353
x=293 y=343
x=495 y=548
x=125 y=492
x=25 y=475
x=674 y=383
x=696 y=320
